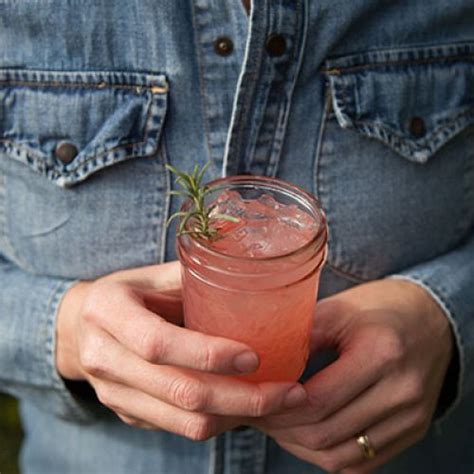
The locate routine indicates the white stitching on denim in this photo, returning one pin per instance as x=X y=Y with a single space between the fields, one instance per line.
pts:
x=237 y=95
x=65 y=174
x=84 y=85
x=457 y=124
x=362 y=67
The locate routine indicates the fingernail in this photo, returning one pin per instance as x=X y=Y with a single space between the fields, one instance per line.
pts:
x=246 y=362
x=295 y=397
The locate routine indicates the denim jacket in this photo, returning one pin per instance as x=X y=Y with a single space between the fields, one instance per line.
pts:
x=369 y=104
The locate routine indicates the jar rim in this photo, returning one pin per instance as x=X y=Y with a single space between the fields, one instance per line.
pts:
x=319 y=236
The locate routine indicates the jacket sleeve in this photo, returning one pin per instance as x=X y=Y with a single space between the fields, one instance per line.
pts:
x=449 y=279
x=28 y=306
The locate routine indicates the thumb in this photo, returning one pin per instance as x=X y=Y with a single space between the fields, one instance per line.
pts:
x=159 y=286
x=164 y=277
x=330 y=323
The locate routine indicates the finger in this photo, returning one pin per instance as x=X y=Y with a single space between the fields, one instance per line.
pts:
x=352 y=373
x=377 y=403
x=165 y=277
x=355 y=370
x=386 y=455
x=138 y=407
x=167 y=305
x=187 y=389
x=400 y=430
x=330 y=323
x=388 y=437
x=330 y=390
x=154 y=339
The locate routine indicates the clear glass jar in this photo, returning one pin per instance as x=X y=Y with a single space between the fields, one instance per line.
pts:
x=267 y=302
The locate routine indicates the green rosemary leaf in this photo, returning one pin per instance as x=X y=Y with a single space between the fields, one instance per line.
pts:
x=183 y=223
x=225 y=217
x=184 y=180
x=201 y=174
x=178 y=193
x=195 y=172
x=196 y=192
x=172 y=169
x=175 y=215
x=181 y=177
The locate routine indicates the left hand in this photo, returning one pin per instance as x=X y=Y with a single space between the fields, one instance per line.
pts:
x=394 y=346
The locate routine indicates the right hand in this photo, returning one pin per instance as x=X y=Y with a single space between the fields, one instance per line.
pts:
x=120 y=333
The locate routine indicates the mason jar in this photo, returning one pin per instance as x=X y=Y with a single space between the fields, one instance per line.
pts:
x=267 y=302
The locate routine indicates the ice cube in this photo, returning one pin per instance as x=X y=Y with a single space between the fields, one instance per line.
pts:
x=230 y=203
x=265 y=228
x=269 y=201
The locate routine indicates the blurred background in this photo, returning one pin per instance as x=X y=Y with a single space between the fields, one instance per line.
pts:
x=10 y=435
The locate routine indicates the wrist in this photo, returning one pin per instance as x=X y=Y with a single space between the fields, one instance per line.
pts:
x=433 y=317
x=67 y=354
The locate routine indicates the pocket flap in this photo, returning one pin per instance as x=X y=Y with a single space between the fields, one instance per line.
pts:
x=102 y=117
x=413 y=100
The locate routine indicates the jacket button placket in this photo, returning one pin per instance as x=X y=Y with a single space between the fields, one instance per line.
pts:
x=220 y=43
x=271 y=69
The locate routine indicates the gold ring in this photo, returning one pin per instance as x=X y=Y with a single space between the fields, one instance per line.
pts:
x=367 y=450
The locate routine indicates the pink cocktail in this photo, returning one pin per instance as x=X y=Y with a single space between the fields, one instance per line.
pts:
x=257 y=282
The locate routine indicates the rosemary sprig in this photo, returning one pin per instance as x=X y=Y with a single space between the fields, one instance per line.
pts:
x=199 y=215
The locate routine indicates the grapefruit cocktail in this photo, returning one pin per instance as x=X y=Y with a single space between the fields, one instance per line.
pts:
x=256 y=280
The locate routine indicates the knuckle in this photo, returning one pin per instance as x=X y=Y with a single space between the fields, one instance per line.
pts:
x=259 y=404
x=93 y=301
x=92 y=362
x=420 y=417
x=94 y=306
x=103 y=294
x=414 y=389
x=104 y=394
x=209 y=359
x=189 y=394
x=199 y=427
x=152 y=347
x=391 y=348
x=319 y=403
x=90 y=310
x=320 y=440
x=89 y=313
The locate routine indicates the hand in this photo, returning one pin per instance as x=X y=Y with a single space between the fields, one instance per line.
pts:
x=119 y=333
x=394 y=346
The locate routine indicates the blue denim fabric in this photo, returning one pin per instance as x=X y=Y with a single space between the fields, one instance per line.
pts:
x=136 y=84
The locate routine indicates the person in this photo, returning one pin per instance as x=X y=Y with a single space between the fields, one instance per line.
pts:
x=367 y=104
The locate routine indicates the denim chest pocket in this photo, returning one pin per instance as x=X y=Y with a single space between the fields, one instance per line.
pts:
x=97 y=119
x=395 y=171
x=81 y=170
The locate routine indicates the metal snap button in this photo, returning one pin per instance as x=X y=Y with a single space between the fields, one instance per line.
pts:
x=275 y=45
x=66 y=152
x=223 y=46
x=417 y=127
